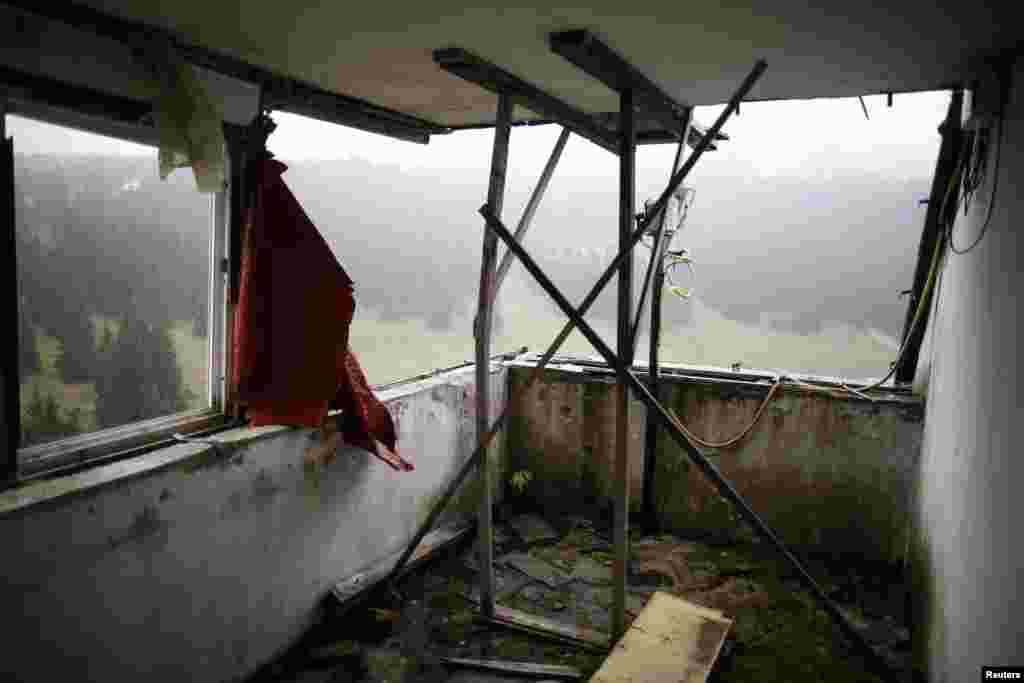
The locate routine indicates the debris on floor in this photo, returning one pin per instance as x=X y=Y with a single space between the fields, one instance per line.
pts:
x=589 y=570
x=563 y=583
x=538 y=569
x=533 y=529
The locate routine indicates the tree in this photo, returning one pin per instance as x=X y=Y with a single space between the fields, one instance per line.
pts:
x=142 y=378
x=200 y=307
x=42 y=421
x=77 y=362
x=28 y=355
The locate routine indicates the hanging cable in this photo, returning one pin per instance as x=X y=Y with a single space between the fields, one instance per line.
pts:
x=672 y=260
x=991 y=200
x=921 y=302
x=742 y=434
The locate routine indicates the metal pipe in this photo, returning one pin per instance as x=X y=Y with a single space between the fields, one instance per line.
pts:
x=651 y=426
x=482 y=333
x=658 y=247
x=627 y=199
x=531 y=206
x=670 y=424
x=588 y=301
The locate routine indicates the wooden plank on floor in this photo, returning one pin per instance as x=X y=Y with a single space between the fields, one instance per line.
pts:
x=348 y=591
x=671 y=641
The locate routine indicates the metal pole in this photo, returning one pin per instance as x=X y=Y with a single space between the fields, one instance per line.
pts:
x=671 y=424
x=658 y=246
x=627 y=199
x=702 y=146
x=485 y=310
x=651 y=427
x=658 y=285
x=531 y=206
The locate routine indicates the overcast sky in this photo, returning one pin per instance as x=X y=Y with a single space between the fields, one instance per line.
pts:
x=803 y=138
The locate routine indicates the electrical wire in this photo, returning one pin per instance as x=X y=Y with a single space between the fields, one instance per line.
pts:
x=742 y=434
x=926 y=291
x=675 y=259
x=915 y=322
x=945 y=238
x=991 y=201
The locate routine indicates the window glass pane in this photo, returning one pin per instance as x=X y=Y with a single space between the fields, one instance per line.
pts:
x=113 y=282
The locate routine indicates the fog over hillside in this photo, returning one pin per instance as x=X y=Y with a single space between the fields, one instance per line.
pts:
x=794 y=253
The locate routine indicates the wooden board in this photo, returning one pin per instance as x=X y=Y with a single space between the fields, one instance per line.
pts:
x=671 y=641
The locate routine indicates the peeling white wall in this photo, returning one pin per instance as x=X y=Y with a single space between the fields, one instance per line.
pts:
x=973 y=463
x=204 y=573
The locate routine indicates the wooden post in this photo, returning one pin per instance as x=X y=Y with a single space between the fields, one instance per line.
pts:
x=482 y=333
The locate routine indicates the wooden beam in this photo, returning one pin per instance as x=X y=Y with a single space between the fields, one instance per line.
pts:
x=586 y=51
x=468 y=66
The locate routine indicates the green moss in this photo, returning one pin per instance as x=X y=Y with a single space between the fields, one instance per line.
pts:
x=458 y=624
x=587 y=662
x=388 y=666
x=467 y=500
x=311 y=480
x=513 y=647
x=926 y=625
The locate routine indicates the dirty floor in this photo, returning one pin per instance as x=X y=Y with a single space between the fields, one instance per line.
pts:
x=563 y=572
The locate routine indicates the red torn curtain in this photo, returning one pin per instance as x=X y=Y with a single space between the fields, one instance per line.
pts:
x=292 y=359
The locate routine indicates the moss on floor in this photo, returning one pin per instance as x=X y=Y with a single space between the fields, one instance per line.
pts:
x=779 y=633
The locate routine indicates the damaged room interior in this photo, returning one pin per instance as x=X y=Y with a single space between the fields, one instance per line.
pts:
x=659 y=343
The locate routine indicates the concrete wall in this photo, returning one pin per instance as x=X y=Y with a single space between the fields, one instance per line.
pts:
x=831 y=475
x=183 y=566
x=971 y=561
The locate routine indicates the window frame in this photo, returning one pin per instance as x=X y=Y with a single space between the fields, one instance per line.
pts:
x=124 y=441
